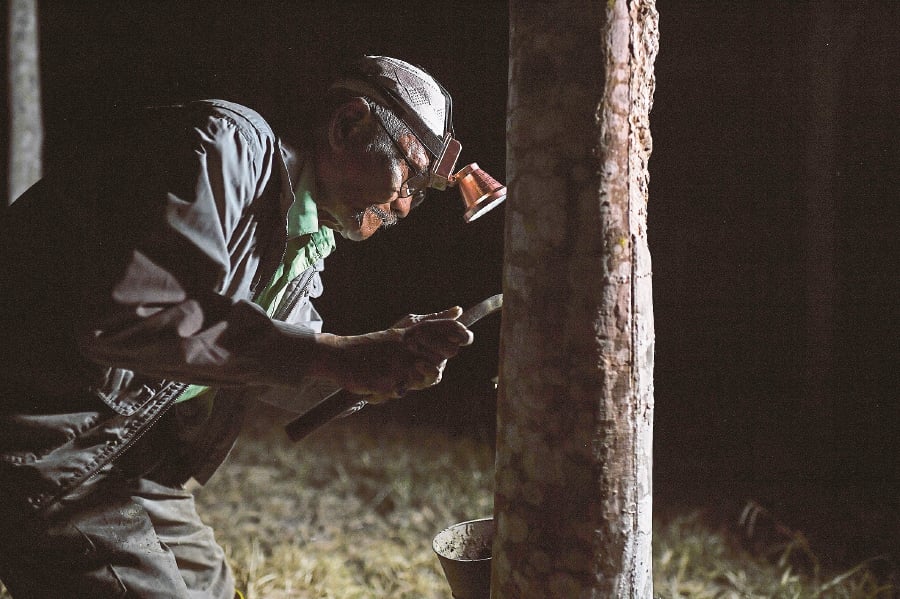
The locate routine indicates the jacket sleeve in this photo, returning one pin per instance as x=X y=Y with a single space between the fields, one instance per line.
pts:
x=167 y=264
x=312 y=391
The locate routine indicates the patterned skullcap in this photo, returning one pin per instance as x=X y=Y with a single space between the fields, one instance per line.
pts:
x=415 y=96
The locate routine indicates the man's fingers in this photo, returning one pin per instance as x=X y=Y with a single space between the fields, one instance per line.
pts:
x=387 y=364
x=431 y=374
x=439 y=341
x=378 y=398
x=452 y=330
x=419 y=375
x=450 y=314
x=411 y=319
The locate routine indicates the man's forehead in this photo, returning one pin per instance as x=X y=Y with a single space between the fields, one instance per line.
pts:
x=416 y=151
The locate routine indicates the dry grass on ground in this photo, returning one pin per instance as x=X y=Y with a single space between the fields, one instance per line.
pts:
x=349 y=513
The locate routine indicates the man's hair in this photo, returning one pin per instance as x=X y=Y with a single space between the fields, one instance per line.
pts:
x=380 y=142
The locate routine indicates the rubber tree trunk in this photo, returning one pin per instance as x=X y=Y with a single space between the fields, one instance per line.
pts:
x=575 y=409
x=26 y=129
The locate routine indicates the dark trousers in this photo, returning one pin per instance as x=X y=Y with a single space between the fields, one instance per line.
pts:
x=128 y=538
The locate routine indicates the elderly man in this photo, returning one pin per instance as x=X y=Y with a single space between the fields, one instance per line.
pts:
x=175 y=256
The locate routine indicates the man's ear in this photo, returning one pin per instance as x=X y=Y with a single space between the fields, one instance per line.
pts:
x=348 y=122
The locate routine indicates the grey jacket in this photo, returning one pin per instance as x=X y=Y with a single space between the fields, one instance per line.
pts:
x=142 y=255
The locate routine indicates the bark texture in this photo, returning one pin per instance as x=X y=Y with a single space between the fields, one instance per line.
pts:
x=26 y=129
x=573 y=489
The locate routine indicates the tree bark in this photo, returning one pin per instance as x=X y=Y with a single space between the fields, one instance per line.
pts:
x=573 y=493
x=26 y=129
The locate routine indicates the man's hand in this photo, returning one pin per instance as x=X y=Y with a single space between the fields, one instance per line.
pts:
x=410 y=355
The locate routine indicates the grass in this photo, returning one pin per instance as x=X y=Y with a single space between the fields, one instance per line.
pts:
x=347 y=513
x=692 y=560
x=350 y=513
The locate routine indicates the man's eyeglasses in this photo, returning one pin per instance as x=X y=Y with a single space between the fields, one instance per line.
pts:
x=416 y=184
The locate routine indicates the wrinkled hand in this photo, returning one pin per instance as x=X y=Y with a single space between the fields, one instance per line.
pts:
x=410 y=355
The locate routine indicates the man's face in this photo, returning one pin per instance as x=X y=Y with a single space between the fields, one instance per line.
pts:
x=358 y=186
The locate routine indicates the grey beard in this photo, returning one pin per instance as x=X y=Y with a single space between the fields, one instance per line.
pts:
x=388 y=219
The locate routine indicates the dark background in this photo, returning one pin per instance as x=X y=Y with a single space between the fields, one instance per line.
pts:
x=742 y=146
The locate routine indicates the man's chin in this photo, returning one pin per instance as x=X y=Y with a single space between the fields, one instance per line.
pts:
x=356 y=234
x=351 y=233
x=362 y=229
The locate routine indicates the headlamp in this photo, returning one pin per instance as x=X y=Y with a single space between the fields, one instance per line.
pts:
x=426 y=108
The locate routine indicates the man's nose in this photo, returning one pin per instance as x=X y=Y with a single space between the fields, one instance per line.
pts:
x=401 y=206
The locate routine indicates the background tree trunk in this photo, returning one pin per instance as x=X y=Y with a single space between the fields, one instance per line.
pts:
x=26 y=130
x=830 y=42
x=575 y=408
